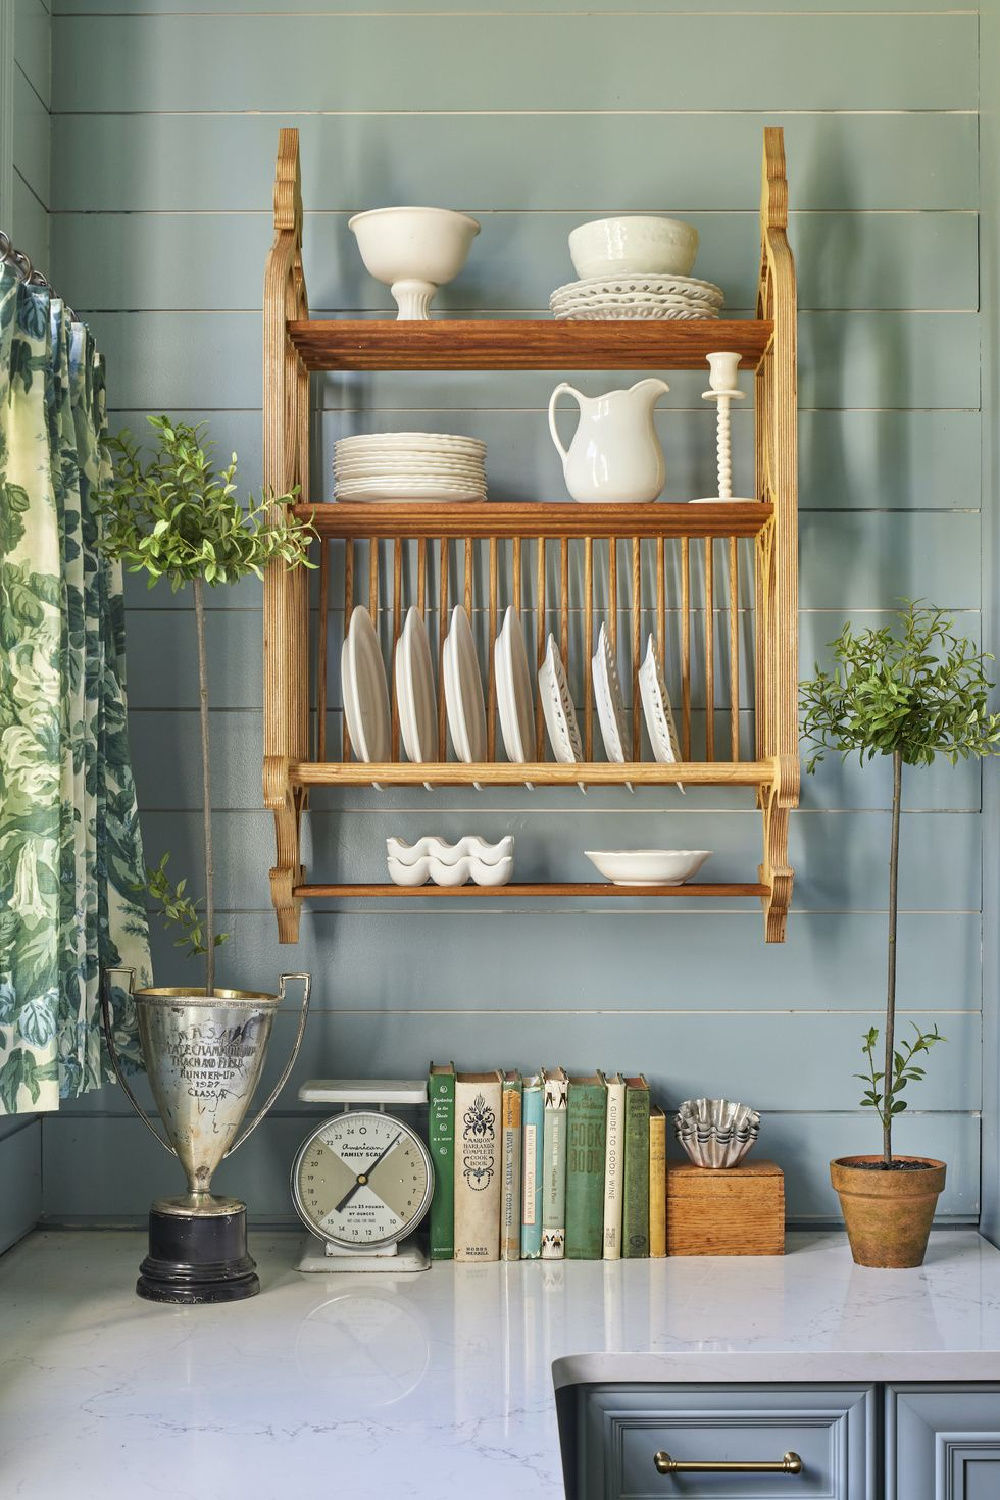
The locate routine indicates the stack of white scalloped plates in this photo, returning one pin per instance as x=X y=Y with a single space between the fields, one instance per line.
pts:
x=410 y=466
x=637 y=296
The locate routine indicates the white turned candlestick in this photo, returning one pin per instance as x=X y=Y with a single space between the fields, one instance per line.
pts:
x=723 y=367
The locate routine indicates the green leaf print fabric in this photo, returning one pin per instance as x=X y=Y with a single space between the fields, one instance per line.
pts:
x=70 y=847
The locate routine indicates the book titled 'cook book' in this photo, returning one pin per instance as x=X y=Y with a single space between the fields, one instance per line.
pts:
x=478 y=1170
x=441 y=1099
x=586 y=1110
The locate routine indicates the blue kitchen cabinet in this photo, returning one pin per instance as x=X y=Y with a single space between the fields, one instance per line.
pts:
x=942 y=1442
x=621 y=1441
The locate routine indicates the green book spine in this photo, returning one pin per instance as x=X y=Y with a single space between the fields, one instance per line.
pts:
x=635 y=1199
x=586 y=1112
x=441 y=1095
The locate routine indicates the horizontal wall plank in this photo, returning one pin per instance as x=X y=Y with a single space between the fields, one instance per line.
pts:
x=444 y=7
x=113 y=261
x=882 y=161
x=854 y=359
x=841 y=857
x=681 y=62
x=30 y=223
x=669 y=1049
x=557 y=954
x=21 y=1175
x=927 y=555
x=32 y=45
x=31 y=137
x=259 y=1171
x=166 y=757
x=892 y=460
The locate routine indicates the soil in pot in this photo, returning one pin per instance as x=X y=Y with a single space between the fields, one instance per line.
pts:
x=888 y=1211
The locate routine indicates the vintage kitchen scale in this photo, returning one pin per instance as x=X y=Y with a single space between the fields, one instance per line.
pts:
x=363 y=1180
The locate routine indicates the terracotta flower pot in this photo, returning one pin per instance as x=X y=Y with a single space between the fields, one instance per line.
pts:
x=888 y=1213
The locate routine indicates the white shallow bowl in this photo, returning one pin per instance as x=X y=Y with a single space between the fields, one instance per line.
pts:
x=413 y=250
x=648 y=866
x=634 y=242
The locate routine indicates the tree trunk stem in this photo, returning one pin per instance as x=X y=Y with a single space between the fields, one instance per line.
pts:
x=206 y=787
x=890 y=1003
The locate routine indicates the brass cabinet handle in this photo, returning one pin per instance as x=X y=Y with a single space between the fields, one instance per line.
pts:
x=790 y=1464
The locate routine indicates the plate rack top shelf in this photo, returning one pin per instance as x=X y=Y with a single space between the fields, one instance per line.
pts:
x=503 y=518
x=518 y=344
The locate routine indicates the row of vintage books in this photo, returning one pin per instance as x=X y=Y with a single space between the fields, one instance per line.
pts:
x=547 y=1166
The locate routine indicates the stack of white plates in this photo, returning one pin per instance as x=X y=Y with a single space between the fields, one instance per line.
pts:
x=637 y=296
x=410 y=466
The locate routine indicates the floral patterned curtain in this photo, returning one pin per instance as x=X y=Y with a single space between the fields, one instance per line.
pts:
x=70 y=847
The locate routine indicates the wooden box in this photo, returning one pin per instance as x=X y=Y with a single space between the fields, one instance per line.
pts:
x=729 y=1211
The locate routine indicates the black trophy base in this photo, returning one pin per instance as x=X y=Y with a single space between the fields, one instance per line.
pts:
x=198 y=1258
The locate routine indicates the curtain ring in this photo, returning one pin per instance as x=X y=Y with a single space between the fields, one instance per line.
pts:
x=23 y=265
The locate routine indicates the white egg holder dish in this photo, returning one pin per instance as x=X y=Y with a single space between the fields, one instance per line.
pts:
x=434 y=859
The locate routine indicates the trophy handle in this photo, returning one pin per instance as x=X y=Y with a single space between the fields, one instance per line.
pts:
x=289 y=1065
x=109 y=1039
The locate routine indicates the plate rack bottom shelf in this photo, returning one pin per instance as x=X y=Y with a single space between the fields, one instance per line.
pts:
x=775 y=781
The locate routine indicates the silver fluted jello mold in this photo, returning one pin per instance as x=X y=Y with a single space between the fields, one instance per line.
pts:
x=716 y=1132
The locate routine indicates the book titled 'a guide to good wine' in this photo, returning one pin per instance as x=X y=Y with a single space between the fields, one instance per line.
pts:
x=549 y=1166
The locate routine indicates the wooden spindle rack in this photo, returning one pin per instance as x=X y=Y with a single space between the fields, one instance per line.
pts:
x=520 y=542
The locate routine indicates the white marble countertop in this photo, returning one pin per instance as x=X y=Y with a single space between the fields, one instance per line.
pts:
x=438 y=1384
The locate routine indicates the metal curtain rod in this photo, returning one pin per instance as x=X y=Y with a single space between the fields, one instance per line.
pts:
x=25 y=270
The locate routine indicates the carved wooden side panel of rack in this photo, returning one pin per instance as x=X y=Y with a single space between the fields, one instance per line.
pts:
x=491 y=554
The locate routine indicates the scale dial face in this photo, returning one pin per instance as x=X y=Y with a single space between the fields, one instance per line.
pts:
x=362 y=1180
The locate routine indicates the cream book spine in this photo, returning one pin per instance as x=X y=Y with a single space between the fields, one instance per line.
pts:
x=554 y=1165
x=614 y=1169
x=477 y=1166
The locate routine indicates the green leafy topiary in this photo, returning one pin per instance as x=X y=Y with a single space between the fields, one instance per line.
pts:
x=171 y=515
x=912 y=690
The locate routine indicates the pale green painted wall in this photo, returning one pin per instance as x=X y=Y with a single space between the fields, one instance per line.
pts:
x=31 y=89
x=535 y=118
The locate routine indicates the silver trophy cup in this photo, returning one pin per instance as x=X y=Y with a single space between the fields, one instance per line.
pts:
x=204 y=1056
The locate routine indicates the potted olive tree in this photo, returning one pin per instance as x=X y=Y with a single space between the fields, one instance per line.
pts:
x=911 y=691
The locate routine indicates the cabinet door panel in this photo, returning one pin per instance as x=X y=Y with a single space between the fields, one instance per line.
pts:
x=623 y=1427
x=942 y=1443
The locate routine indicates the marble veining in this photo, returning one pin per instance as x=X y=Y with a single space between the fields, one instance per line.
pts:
x=429 y=1385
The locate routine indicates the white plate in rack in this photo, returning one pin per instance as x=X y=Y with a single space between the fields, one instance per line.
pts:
x=657 y=709
x=365 y=689
x=514 y=690
x=463 y=690
x=557 y=707
x=414 y=674
x=611 y=713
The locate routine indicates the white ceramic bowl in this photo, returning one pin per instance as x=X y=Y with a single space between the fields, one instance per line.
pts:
x=641 y=243
x=413 y=250
x=648 y=866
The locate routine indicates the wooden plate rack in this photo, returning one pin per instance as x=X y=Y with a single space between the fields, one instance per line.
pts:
x=486 y=555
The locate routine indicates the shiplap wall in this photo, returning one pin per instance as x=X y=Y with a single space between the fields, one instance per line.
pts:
x=29 y=227
x=26 y=76
x=535 y=118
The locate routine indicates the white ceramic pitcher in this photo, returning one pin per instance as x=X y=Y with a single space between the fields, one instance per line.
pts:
x=615 y=453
